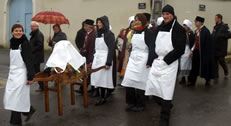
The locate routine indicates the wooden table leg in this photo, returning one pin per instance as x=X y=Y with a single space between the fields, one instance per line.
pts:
x=85 y=97
x=72 y=94
x=46 y=96
x=60 y=102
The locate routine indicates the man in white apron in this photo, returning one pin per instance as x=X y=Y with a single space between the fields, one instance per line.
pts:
x=21 y=73
x=104 y=54
x=169 y=39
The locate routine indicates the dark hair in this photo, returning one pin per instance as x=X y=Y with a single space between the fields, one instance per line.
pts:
x=57 y=25
x=219 y=16
x=141 y=18
x=17 y=26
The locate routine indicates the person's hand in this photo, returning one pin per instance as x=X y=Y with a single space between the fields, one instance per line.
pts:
x=89 y=65
x=107 y=67
x=29 y=82
x=49 y=39
x=147 y=66
x=191 y=53
x=53 y=43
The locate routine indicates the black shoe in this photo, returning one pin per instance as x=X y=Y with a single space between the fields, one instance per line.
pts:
x=183 y=81
x=129 y=107
x=164 y=122
x=15 y=124
x=79 y=91
x=191 y=84
x=28 y=116
x=207 y=84
x=101 y=102
x=138 y=109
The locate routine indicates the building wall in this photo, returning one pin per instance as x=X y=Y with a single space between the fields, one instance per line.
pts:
x=189 y=9
x=78 y=10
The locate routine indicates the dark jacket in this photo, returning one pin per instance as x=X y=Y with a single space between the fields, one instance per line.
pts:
x=207 y=62
x=178 y=41
x=58 y=37
x=148 y=38
x=109 y=39
x=37 y=45
x=26 y=52
x=89 y=46
x=221 y=34
x=80 y=37
x=190 y=39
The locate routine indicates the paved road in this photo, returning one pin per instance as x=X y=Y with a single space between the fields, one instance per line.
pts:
x=197 y=106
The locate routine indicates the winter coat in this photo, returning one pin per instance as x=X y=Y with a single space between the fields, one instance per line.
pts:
x=37 y=45
x=220 y=35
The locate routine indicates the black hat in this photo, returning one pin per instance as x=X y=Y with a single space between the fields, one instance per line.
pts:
x=168 y=8
x=200 y=19
x=148 y=16
x=89 y=22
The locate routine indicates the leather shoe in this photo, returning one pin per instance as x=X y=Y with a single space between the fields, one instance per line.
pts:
x=101 y=102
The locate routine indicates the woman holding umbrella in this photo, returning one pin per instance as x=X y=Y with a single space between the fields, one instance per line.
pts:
x=104 y=53
x=17 y=91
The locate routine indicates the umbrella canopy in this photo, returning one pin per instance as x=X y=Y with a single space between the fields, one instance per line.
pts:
x=50 y=17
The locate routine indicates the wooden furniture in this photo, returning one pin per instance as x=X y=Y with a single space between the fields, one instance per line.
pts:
x=63 y=79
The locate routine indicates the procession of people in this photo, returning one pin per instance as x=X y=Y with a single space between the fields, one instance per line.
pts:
x=150 y=59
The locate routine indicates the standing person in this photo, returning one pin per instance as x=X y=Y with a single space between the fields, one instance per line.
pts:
x=80 y=37
x=186 y=58
x=104 y=53
x=58 y=36
x=169 y=41
x=21 y=73
x=88 y=46
x=36 y=42
x=137 y=70
x=150 y=26
x=220 y=35
x=203 y=54
x=126 y=49
x=120 y=40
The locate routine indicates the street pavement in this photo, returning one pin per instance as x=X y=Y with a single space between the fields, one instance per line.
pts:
x=198 y=106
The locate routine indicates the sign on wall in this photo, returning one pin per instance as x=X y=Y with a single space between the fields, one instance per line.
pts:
x=142 y=5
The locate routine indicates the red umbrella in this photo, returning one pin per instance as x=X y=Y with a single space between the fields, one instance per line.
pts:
x=50 y=17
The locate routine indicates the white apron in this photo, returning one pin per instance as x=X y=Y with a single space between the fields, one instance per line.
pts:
x=162 y=77
x=103 y=77
x=17 y=93
x=136 y=74
x=185 y=61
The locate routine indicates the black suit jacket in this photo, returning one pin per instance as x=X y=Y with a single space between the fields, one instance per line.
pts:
x=37 y=44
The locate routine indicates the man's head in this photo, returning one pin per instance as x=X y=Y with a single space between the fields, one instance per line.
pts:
x=168 y=13
x=34 y=25
x=199 y=21
x=56 y=28
x=88 y=25
x=218 y=18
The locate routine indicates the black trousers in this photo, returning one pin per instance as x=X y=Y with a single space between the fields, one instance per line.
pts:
x=220 y=60
x=16 y=119
x=37 y=70
x=135 y=97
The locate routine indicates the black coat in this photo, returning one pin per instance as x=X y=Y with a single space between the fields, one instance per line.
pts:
x=80 y=37
x=178 y=41
x=221 y=34
x=58 y=37
x=26 y=52
x=37 y=45
x=207 y=68
x=191 y=39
